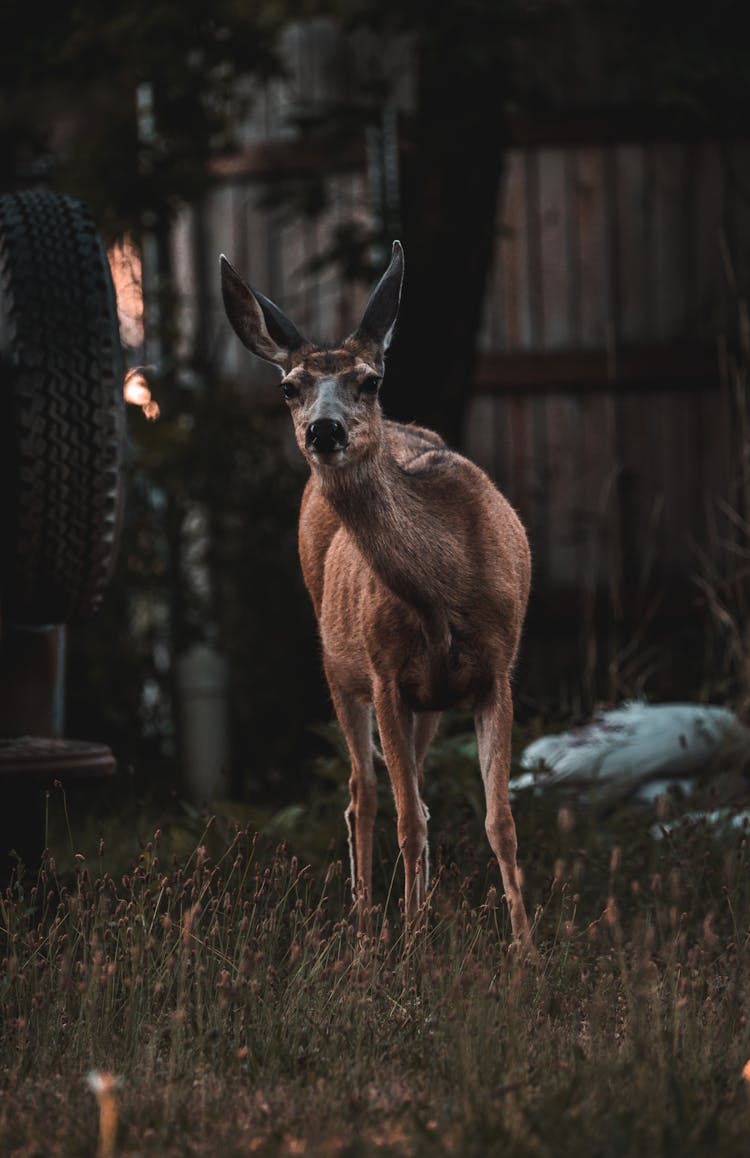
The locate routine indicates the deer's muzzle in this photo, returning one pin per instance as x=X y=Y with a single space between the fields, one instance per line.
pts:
x=326 y=435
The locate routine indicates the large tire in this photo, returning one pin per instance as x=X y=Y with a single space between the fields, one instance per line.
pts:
x=61 y=411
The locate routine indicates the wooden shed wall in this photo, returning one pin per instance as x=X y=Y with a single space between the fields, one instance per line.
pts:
x=598 y=406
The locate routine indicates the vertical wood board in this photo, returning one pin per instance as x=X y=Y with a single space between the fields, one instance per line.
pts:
x=633 y=318
x=513 y=306
x=595 y=270
x=668 y=238
x=553 y=244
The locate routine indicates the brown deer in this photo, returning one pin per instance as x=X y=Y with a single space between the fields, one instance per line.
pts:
x=419 y=573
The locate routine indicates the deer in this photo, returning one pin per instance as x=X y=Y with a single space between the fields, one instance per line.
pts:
x=418 y=570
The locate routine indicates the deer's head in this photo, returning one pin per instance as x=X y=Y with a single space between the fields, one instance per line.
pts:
x=332 y=393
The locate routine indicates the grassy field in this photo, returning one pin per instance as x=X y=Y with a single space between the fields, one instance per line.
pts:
x=225 y=985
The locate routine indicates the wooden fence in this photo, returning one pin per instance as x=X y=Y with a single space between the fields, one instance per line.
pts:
x=599 y=405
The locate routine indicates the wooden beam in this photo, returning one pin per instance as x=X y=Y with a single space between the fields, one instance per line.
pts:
x=648 y=368
x=287 y=159
x=620 y=125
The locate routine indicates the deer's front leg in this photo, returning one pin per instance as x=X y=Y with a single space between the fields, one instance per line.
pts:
x=355 y=720
x=396 y=728
x=493 y=725
x=425 y=726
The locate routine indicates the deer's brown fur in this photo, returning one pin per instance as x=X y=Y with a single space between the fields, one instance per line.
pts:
x=418 y=570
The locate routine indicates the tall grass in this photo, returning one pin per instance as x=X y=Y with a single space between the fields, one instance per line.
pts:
x=231 y=993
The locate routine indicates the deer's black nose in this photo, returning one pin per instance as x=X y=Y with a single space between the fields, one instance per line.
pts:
x=326 y=435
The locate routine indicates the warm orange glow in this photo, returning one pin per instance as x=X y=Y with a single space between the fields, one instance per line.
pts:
x=136 y=390
x=125 y=264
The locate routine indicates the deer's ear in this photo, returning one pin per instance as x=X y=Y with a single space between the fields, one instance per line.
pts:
x=258 y=323
x=379 y=319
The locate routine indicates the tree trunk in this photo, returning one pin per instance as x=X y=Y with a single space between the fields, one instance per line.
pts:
x=451 y=172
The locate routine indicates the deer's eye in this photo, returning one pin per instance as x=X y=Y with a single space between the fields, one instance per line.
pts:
x=289 y=390
x=370 y=384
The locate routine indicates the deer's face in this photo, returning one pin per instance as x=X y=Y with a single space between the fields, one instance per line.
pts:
x=332 y=393
x=332 y=397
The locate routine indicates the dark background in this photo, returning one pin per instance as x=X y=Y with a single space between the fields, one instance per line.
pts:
x=482 y=70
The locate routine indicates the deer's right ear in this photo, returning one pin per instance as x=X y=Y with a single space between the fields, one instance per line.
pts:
x=258 y=322
x=379 y=319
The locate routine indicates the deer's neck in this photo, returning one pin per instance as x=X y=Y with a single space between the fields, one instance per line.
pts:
x=387 y=514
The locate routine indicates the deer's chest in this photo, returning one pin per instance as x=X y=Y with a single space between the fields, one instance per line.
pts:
x=369 y=634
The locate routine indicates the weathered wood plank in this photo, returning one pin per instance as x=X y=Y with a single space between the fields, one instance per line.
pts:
x=737 y=211
x=534 y=288
x=553 y=272
x=565 y=496
x=513 y=261
x=670 y=266
x=645 y=368
x=707 y=309
x=521 y=472
x=631 y=293
x=492 y=330
x=595 y=309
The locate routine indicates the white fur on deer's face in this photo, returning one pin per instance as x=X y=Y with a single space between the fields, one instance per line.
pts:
x=332 y=396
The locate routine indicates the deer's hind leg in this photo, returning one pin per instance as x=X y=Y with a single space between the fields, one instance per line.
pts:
x=493 y=725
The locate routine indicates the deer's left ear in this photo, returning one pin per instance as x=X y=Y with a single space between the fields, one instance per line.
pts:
x=258 y=322
x=379 y=319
